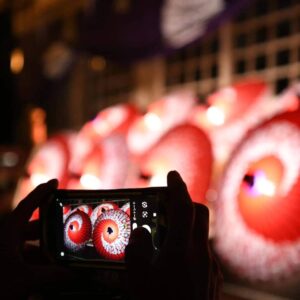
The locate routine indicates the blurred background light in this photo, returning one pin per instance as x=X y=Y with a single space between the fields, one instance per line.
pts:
x=152 y=121
x=91 y=182
x=97 y=63
x=38 y=126
x=17 y=61
x=9 y=159
x=215 y=115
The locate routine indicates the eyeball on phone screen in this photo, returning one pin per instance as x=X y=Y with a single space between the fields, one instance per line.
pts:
x=98 y=229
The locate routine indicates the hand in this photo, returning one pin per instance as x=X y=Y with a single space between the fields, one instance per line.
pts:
x=18 y=277
x=185 y=267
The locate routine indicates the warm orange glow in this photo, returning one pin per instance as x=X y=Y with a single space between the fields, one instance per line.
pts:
x=38 y=126
x=273 y=171
x=97 y=63
x=17 y=61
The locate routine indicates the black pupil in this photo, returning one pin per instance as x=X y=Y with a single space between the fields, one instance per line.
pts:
x=103 y=209
x=109 y=230
x=71 y=227
x=249 y=179
x=145 y=176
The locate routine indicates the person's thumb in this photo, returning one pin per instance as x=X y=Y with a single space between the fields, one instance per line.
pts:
x=138 y=257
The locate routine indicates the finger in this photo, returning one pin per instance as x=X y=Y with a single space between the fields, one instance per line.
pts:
x=180 y=213
x=138 y=256
x=32 y=231
x=25 y=208
x=200 y=256
x=216 y=280
x=140 y=248
x=178 y=188
x=201 y=228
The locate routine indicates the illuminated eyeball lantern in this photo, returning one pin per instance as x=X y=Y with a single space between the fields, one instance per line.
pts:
x=77 y=231
x=235 y=101
x=67 y=210
x=89 y=174
x=114 y=120
x=111 y=234
x=257 y=214
x=81 y=146
x=186 y=149
x=126 y=208
x=47 y=161
x=115 y=165
x=84 y=208
x=50 y=161
x=115 y=162
x=288 y=100
x=231 y=112
x=98 y=210
x=160 y=117
x=105 y=167
x=200 y=119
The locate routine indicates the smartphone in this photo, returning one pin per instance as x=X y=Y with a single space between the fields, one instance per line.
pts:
x=91 y=228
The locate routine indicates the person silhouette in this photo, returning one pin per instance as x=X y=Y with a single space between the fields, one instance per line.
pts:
x=184 y=268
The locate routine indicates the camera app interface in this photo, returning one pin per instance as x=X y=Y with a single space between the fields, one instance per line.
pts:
x=99 y=229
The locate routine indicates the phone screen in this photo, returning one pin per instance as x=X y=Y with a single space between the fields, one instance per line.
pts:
x=99 y=228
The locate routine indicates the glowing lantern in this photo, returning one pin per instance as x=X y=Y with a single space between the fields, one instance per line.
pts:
x=84 y=208
x=232 y=111
x=101 y=208
x=90 y=174
x=81 y=147
x=126 y=208
x=160 y=117
x=288 y=100
x=48 y=160
x=111 y=234
x=67 y=210
x=257 y=216
x=114 y=120
x=236 y=101
x=77 y=231
x=105 y=166
x=186 y=149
